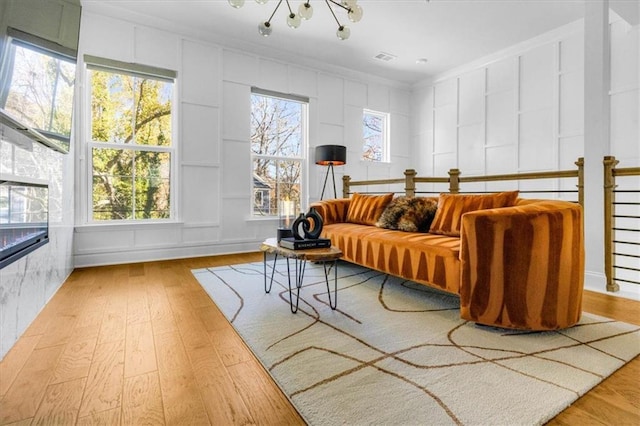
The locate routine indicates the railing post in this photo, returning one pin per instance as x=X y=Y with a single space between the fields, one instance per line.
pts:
x=409 y=183
x=580 y=164
x=454 y=181
x=346 y=179
x=609 y=222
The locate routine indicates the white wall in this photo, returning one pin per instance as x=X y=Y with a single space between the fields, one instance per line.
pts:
x=214 y=169
x=522 y=110
x=519 y=110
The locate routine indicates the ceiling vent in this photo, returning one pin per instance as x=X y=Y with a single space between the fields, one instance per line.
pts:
x=385 y=57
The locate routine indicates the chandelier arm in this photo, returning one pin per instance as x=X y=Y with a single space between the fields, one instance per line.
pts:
x=275 y=10
x=339 y=5
x=332 y=12
x=289 y=6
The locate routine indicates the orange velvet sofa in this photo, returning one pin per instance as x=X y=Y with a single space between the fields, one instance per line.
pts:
x=518 y=267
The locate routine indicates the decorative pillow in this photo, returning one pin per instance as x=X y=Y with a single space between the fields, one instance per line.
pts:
x=451 y=207
x=410 y=214
x=366 y=209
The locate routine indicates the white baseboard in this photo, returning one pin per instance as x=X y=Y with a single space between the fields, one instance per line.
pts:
x=597 y=282
x=169 y=253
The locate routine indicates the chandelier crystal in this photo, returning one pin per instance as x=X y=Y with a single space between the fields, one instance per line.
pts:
x=305 y=12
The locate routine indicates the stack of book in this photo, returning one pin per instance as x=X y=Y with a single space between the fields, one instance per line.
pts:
x=293 y=244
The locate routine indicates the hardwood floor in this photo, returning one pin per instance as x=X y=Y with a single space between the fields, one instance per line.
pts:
x=144 y=344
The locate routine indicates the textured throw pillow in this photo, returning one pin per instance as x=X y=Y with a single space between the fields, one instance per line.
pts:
x=410 y=214
x=451 y=207
x=366 y=209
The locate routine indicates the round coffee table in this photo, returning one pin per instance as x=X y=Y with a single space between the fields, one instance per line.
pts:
x=317 y=255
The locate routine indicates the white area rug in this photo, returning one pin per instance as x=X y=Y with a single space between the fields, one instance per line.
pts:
x=396 y=352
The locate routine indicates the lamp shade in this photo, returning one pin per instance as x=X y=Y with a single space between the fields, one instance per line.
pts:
x=331 y=155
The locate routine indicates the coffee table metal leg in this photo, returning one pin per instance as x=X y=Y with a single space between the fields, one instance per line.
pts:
x=333 y=304
x=273 y=270
x=300 y=268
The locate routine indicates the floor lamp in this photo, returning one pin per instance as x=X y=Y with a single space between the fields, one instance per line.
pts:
x=330 y=155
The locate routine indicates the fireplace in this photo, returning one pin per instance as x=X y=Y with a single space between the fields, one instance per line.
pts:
x=24 y=219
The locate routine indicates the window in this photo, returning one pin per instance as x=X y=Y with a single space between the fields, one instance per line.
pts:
x=375 y=130
x=131 y=146
x=278 y=141
x=38 y=87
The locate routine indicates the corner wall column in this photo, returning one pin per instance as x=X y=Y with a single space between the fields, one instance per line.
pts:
x=597 y=117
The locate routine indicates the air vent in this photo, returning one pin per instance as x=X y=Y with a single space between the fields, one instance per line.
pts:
x=386 y=57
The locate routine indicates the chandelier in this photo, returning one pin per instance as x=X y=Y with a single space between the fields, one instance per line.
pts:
x=305 y=12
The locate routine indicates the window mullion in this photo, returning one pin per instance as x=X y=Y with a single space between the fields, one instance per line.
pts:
x=133 y=186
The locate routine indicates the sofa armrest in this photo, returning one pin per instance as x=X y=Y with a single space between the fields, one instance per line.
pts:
x=523 y=266
x=332 y=211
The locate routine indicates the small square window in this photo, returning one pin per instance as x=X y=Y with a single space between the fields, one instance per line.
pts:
x=375 y=131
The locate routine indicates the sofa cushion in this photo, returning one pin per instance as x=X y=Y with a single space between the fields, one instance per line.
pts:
x=421 y=257
x=409 y=214
x=366 y=209
x=451 y=207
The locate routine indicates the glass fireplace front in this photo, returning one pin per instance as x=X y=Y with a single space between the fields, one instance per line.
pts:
x=24 y=219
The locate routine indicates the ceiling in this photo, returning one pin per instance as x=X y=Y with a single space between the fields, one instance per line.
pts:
x=448 y=33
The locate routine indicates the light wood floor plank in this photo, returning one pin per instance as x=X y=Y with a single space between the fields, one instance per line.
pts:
x=90 y=317
x=75 y=360
x=230 y=347
x=25 y=422
x=26 y=392
x=221 y=398
x=113 y=326
x=140 y=356
x=180 y=395
x=58 y=332
x=142 y=400
x=162 y=318
x=212 y=318
x=137 y=303
x=103 y=390
x=102 y=418
x=13 y=362
x=256 y=389
x=60 y=404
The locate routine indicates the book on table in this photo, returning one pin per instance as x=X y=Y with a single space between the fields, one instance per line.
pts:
x=293 y=244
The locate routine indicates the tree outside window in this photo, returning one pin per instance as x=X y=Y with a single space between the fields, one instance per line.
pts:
x=278 y=138
x=39 y=92
x=131 y=146
x=375 y=130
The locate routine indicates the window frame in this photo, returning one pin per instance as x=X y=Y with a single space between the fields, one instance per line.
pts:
x=92 y=63
x=386 y=136
x=302 y=158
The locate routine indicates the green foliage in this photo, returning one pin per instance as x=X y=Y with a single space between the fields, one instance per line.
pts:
x=131 y=115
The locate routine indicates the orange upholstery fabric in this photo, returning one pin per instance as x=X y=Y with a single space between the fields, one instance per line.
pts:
x=523 y=266
x=366 y=209
x=424 y=258
x=333 y=211
x=451 y=207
